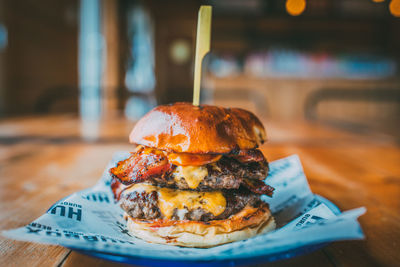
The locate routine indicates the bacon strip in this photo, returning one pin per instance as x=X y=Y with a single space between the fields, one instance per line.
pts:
x=148 y=163
x=141 y=166
x=253 y=155
x=258 y=187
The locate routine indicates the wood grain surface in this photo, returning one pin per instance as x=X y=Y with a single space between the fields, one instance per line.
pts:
x=44 y=159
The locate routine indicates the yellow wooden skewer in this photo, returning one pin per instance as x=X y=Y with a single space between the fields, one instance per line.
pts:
x=202 y=47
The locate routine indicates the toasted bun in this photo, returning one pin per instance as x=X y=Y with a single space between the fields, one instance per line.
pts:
x=182 y=127
x=247 y=223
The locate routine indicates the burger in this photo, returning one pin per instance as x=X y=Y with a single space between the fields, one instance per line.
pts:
x=195 y=178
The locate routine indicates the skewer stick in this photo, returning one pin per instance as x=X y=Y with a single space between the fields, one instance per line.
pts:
x=202 y=47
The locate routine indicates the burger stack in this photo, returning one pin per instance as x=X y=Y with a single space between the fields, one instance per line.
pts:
x=195 y=178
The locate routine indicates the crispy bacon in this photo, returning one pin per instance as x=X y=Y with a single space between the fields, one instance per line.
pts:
x=141 y=166
x=258 y=187
x=253 y=155
x=152 y=165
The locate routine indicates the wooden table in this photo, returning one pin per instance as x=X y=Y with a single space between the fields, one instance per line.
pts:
x=44 y=159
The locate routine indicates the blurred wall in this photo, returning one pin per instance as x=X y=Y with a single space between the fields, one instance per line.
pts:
x=41 y=55
x=175 y=37
x=2 y=47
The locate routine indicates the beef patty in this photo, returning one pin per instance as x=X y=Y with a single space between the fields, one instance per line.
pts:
x=227 y=173
x=144 y=205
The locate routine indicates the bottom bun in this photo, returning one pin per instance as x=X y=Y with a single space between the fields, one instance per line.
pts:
x=245 y=224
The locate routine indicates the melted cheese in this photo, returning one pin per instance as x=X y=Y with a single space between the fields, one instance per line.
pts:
x=193 y=175
x=181 y=200
x=187 y=159
x=169 y=200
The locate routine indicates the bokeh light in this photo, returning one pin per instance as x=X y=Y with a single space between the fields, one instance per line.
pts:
x=394 y=8
x=295 y=7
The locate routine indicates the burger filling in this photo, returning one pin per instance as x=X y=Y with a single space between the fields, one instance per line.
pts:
x=154 y=184
x=246 y=168
x=144 y=201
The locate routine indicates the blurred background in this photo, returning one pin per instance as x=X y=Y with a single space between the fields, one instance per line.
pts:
x=322 y=75
x=334 y=62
